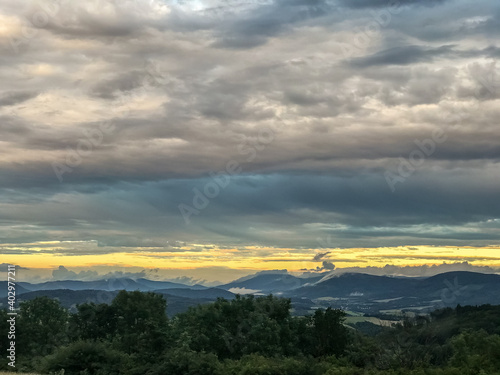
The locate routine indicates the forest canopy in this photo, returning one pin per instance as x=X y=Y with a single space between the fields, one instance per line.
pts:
x=247 y=335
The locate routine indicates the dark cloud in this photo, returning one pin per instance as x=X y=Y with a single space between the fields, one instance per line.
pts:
x=328 y=266
x=253 y=29
x=325 y=268
x=349 y=209
x=388 y=3
x=62 y=273
x=402 y=56
x=16 y=97
x=4 y=266
x=320 y=256
x=125 y=82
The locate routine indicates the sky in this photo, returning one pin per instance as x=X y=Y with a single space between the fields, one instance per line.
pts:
x=211 y=139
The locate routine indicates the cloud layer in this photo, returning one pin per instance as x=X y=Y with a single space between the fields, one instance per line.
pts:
x=113 y=114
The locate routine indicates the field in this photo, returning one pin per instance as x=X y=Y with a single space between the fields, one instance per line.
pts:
x=377 y=321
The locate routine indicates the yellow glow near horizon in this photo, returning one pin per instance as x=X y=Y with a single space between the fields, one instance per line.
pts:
x=50 y=255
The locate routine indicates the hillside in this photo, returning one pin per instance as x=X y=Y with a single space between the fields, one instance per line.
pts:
x=142 y=285
x=368 y=293
x=350 y=291
x=4 y=291
x=270 y=283
x=178 y=300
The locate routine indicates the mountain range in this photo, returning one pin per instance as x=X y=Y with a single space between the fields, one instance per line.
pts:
x=355 y=292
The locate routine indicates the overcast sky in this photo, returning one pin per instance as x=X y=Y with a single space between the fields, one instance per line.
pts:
x=342 y=124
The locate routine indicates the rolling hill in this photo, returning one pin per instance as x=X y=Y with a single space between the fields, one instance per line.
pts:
x=350 y=291
x=143 y=285
x=368 y=293
x=4 y=291
x=270 y=282
x=178 y=301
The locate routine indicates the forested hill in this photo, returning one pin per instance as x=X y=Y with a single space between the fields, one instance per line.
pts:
x=243 y=336
x=362 y=293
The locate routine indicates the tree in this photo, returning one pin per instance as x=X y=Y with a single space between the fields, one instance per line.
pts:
x=93 y=322
x=330 y=334
x=86 y=357
x=141 y=323
x=4 y=339
x=42 y=326
x=241 y=326
x=476 y=351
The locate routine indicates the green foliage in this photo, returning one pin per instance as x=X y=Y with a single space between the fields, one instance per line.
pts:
x=363 y=351
x=330 y=335
x=248 y=335
x=187 y=362
x=234 y=328
x=452 y=321
x=42 y=327
x=260 y=365
x=93 y=322
x=140 y=323
x=135 y=323
x=475 y=351
x=85 y=358
x=4 y=341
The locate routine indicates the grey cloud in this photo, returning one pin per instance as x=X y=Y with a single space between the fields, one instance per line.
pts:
x=341 y=126
x=15 y=97
x=404 y=55
x=187 y=280
x=387 y=3
x=325 y=268
x=3 y=267
x=269 y=20
x=62 y=273
x=328 y=265
x=124 y=82
x=101 y=19
x=13 y=129
x=320 y=256
x=246 y=210
x=453 y=21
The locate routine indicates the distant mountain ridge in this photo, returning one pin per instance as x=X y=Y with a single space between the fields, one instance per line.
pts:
x=270 y=282
x=377 y=293
x=351 y=291
x=197 y=293
x=143 y=285
x=373 y=293
x=4 y=289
